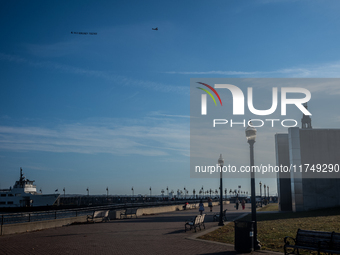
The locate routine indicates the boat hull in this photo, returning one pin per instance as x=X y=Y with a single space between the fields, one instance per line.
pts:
x=28 y=200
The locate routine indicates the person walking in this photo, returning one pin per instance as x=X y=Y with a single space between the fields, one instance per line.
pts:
x=201 y=207
x=237 y=203
x=243 y=203
x=210 y=204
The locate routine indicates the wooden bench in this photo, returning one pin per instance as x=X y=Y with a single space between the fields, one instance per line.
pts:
x=216 y=217
x=129 y=211
x=104 y=215
x=334 y=247
x=201 y=222
x=197 y=222
x=326 y=242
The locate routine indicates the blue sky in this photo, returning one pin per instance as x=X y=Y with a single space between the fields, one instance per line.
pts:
x=112 y=109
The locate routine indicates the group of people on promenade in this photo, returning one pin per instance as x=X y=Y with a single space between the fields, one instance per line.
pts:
x=201 y=205
x=243 y=203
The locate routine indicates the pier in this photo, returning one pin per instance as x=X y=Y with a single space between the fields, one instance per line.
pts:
x=162 y=233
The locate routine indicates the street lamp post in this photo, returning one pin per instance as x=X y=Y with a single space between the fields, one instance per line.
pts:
x=251 y=135
x=261 y=192
x=150 y=192
x=264 y=189
x=220 y=163
x=64 y=192
x=107 y=194
x=268 y=193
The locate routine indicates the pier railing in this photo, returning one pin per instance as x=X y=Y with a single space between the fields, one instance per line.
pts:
x=23 y=217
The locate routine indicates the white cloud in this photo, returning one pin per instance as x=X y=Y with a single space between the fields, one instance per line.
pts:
x=217 y=72
x=107 y=75
x=325 y=70
x=158 y=139
x=169 y=115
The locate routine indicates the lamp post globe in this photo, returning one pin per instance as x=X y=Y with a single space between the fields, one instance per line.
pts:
x=220 y=163
x=251 y=133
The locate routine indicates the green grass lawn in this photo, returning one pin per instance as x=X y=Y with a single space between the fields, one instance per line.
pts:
x=270 y=207
x=273 y=227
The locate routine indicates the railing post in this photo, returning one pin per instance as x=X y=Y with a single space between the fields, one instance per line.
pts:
x=29 y=217
x=2 y=222
x=55 y=215
x=76 y=213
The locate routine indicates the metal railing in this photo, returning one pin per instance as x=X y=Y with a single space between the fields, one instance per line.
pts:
x=23 y=217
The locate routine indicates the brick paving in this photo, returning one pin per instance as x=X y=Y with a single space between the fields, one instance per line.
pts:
x=154 y=234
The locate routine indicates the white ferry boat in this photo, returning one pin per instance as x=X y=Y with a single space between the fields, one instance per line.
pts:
x=24 y=194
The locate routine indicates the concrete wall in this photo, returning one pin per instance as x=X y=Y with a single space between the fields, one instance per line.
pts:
x=283 y=179
x=295 y=177
x=114 y=214
x=154 y=210
x=310 y=190
x=38 y=225
x=320 y=146
x=161 y=209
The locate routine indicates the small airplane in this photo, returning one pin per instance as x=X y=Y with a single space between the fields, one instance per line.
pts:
x=155 y=28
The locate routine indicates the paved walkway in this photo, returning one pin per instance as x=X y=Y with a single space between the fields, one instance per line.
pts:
x=154 y=234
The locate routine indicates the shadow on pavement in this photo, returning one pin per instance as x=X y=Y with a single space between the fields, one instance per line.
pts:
x=220 y=253
x=176 y=232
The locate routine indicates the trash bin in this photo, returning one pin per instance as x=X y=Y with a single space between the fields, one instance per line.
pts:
x=244 y=234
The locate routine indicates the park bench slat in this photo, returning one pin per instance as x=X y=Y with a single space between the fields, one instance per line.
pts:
x=202 y=221
x=129 y=211
x=335 y=244
x=197 y=222
x=99 y=214
x=327 y=242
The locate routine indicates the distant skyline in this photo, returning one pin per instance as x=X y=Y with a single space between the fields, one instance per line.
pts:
x=113 y=109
